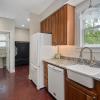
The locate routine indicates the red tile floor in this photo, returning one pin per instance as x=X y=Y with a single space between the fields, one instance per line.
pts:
x=17 y=86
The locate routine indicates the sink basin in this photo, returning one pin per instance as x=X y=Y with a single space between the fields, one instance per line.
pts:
x=82 y=74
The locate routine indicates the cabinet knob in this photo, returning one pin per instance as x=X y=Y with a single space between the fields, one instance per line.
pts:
x=94 y=98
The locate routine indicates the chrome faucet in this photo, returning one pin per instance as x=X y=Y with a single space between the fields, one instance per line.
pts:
x=91 y=61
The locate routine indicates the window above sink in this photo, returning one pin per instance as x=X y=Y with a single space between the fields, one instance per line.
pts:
x=90 y=27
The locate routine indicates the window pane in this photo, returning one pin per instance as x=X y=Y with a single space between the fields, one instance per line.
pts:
x=91 y=31
x=91 y=27
x=2 y=44
x=2 y=37
x=92 y=36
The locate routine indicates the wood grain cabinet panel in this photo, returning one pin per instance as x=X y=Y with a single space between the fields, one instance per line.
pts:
x=76 y=94
x=54 y=33
x=76 y=91
x=70 y=25
x=62 y=25
x=46 y=75
x=62 y=37
x=49 y=25
x=44 y=26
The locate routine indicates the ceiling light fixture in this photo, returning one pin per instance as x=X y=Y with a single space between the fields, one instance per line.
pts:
x=28 y=19
x=23 y=25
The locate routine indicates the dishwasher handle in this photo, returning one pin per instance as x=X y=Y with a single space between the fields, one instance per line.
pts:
x=55 y=68
x=58 y=69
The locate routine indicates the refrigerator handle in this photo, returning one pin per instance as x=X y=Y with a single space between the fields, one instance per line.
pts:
x=16 y=51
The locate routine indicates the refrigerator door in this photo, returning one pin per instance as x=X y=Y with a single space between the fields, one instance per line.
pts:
x=40 y=47
x=34 y=71
x=34 y=49
x=46 y=50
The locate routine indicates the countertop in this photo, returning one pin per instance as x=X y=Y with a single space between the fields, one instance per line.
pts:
x=60 y=62
x=65 y=64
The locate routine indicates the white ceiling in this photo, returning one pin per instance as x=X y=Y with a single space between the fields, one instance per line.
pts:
x=20 y=9
x=74 y=2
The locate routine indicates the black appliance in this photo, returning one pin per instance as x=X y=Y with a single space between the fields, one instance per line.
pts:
x=21 y=53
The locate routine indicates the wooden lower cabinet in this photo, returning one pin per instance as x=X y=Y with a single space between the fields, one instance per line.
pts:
x=46 y=74
x=75 y=91
x=76 y=94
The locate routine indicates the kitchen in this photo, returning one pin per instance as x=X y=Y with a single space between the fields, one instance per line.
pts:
x=73 y=55
x=66 y=62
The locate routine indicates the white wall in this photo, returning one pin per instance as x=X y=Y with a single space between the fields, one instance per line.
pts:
x=34 y=23
x=8 y=25
x=22 y=34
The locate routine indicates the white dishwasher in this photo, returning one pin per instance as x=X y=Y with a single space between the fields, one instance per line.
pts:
x=56 y=82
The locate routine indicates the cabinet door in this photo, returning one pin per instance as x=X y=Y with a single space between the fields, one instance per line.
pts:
x=57 y=26
x=61 y=26
x=41 y=24
x=46 y=74
x=65 y=25
x=76 y=94
x=46 y=25
x=54 y=34
x=43 y=29
x=70 y=25
x=49 y=24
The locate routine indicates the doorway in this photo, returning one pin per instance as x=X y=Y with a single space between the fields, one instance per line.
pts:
x=21 y=53
x=5 y=50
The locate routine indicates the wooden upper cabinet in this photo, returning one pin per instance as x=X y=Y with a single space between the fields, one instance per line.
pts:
x=70 y=25
x=42 y=26
x=54 y=30
x=49 y=25
x=62 y=25
x=62 y=35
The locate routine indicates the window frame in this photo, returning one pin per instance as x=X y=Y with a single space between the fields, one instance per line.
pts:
x=82 y=43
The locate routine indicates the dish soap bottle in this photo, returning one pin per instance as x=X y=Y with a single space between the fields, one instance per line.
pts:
x=58 y=55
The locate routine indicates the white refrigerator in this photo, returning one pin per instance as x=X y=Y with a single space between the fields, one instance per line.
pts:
x=40 y=48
